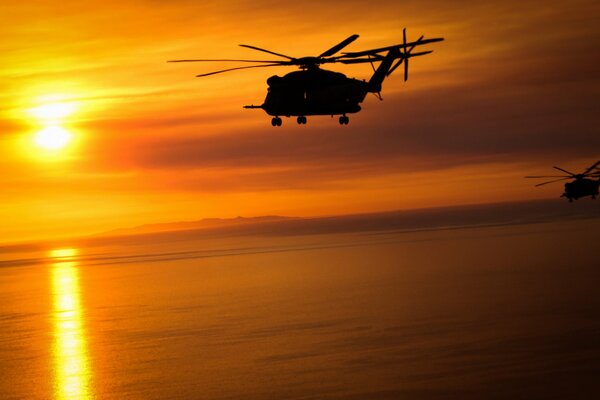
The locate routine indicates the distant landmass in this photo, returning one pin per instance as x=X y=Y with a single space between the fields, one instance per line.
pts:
x=193 y=225
x=427 y=219
x=455 y=217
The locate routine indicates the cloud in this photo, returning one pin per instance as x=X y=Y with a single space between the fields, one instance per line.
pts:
x=468 y=123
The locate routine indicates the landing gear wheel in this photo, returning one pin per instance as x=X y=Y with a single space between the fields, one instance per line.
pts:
x=276 y=121
x=344 y=120
x=301 y=120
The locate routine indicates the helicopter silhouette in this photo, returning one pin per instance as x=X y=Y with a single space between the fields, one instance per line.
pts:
x=582 y=184
x=316 y=91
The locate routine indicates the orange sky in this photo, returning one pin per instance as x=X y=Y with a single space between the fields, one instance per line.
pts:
x=512 y=91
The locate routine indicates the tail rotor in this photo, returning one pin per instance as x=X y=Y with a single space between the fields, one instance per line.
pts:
x=406 y=54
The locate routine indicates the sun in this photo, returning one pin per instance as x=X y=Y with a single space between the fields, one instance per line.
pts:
x=63 y=253
x=52 y=138
x=53 y=111
x=52 y=116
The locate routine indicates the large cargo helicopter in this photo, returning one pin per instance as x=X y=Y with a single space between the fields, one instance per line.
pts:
x=582 y=184
x=316 y=91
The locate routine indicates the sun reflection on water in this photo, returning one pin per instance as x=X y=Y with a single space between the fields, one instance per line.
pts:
x=72 y=370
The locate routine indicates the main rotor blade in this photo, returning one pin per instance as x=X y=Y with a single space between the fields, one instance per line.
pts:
x=225 y=59
x=591 y=168
x=547 y=176
x=555 y=180
x=233 y=69
x=339 y=46
x=267 y=51
x=382 y=49
x=421 y=53
x=356 y=60
x=564 y=170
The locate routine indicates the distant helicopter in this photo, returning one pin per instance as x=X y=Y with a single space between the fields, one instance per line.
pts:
x=581 y=186
x=315 y=91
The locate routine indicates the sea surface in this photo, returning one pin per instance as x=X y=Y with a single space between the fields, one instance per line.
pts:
x=500 y=312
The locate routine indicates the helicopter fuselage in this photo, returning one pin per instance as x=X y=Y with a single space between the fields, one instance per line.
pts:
x=313 y=91
x=581 y=187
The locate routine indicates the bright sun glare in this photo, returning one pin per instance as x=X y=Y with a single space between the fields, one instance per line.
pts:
x=63 y=253
x=52 y=117
x=53 y=111
x=52 y=138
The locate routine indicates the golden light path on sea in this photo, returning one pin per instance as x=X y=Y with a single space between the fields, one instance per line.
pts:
x=71 y=362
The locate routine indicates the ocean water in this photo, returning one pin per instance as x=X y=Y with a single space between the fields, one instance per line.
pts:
x=510 y=312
